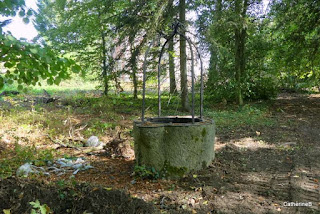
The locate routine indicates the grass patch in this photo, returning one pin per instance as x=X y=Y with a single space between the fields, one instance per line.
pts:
x=248 y=115
x=12 y=159
x=66 y=87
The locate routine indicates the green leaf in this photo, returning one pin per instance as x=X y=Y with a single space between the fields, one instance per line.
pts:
x=57 y=81
x=20 y=87
x=50 y=81
x=8 y=65
x=35 y=204
x=48 y=59
x=11 y=38
x=76 y=69
x=6 y=211
x=30 y=12
x=22 y=13
x=33 y=50
x=26 y=20
x=1 y=82
x=43 y=209
x=10 y=81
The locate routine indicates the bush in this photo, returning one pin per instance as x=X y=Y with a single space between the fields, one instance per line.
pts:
x=253 y=88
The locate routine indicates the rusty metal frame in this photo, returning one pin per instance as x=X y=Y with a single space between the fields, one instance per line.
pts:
x=191 y=44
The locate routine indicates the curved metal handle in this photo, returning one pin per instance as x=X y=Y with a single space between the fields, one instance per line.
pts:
x=190 y=43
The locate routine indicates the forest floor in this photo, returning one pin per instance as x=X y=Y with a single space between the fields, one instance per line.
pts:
x=265 y=157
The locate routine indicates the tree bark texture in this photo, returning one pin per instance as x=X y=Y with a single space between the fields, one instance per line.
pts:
x=183 y=59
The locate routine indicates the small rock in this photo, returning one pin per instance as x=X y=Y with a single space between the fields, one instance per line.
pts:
x=93 y=141
x=192 y=202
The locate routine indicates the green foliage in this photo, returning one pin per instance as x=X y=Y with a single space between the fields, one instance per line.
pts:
x=26 y=63
x=296 y=42
x=145 y=172
x=261 y=87
x=78 y=29
x=217 y=26
x=169 y=171
x=99 y=32
x=98 y=127
x=248 y=115
x=6 y=211
x=21 y=155
x=39 y=208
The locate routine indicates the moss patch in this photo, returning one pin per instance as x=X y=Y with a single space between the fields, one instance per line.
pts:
x=169 y=171
x=204 y=132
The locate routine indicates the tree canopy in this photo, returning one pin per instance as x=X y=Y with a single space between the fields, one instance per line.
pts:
x=253 y=53
x=27 y=63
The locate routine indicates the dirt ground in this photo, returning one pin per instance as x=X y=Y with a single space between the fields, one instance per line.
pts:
x=256 y=170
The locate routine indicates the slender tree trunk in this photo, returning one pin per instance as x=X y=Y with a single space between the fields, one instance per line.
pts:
x=104 y=65
x=105 y=78
x=240 y=40
x=183 y=59
x=173 y=86
x=214 y=70
x=134 y=71
x=135 y=83
x=238 y=66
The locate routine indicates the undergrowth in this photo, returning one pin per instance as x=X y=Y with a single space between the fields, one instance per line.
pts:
x=12 y=159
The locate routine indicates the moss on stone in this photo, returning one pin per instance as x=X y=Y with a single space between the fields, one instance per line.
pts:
x=169 y=171
x=204 y=132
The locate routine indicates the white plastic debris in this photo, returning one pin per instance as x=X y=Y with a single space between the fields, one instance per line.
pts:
x=93 y=141
x=25 y=170
x=59 y=167
x=78 y=165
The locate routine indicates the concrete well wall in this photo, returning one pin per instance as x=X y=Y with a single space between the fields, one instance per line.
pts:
x=175 y=147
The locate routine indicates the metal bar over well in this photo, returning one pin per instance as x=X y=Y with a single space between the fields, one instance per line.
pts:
x=144 y=81
x=159 y=72
x=191 y=45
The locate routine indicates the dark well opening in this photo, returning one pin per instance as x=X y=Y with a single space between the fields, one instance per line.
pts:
x=173 y=120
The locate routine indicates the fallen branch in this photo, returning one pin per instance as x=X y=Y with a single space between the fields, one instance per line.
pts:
x=62 y=145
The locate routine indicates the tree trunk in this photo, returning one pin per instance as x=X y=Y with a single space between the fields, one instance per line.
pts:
x=104 y=65
x=214 y=70
x=238 y=67
x=240 y=39
x=183 y=59
x=173 y=86
x=134 y=71
x=135 y=83
x=105 y=78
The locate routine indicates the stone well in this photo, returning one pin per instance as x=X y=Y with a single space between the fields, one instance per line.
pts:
x=174 y=144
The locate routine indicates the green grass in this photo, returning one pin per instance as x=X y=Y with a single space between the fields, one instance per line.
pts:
x=21 y=155
x=66 y=87
x=248 y=115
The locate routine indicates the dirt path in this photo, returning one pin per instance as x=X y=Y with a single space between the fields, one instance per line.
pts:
x=281 y=165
